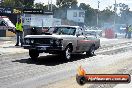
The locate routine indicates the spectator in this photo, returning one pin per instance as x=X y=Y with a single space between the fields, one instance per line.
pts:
x=129 y=31
x=19 y=32
x=126 y=31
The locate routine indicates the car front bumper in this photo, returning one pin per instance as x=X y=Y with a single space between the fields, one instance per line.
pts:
x=44 y=48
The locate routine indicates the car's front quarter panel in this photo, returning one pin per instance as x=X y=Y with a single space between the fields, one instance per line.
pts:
x=70 y=39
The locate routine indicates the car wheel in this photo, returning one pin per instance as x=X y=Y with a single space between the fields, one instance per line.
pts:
x=33 y=54
x=91 y=51
x=67 y=53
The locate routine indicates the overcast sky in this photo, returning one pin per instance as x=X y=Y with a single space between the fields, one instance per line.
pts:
x=94 y=3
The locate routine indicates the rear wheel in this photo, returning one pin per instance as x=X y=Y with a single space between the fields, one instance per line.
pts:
x=33 y=54
x=91 y=51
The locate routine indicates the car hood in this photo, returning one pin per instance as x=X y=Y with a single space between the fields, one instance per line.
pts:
x=49 y=36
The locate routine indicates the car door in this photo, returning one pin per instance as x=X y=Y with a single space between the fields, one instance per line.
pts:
x=80 y=40
x=90 y=41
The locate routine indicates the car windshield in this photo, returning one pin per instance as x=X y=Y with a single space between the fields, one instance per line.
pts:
x=62 y=30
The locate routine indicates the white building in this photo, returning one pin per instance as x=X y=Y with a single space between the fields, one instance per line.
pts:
x=76 y=15
x=40 y=20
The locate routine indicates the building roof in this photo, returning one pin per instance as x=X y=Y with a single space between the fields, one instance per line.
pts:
x=75 y=9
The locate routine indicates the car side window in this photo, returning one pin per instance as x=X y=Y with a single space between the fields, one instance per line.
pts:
x=62 y=30
x=65 y=31
x=79 y=31
x=72 y=31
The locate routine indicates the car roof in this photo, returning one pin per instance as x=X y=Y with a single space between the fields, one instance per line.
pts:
x=92 y=30
x=67 y=26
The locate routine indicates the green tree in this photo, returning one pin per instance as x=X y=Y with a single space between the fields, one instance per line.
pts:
x=107 y=15
x=18 y=3
x=44 y=7
x=8 y=3
x=90 y=14
x=27 y=3
x=39 y=6
x=66 y=3
x=124 y=13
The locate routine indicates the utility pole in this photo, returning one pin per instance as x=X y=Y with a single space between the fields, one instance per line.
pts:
x=98 y=14
x=51 y=6
x=48 y=5
x=115 y=8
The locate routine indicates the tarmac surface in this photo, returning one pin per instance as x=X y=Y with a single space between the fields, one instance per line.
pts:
x=7 y=46
x=17 y=71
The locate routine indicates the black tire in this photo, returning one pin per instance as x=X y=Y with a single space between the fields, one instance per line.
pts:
x=91 y=51
x=67 y=53
x=81 y=80
x=33 y=54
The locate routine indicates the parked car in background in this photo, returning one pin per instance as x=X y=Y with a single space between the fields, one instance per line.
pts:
x=63 y=40
x=5 y=21
x=7 y=28
x=94 y=32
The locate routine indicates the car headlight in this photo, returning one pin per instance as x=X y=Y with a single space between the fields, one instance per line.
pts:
x=51 y=41
x=58 y=42
x=27 y=41
x=32 y=41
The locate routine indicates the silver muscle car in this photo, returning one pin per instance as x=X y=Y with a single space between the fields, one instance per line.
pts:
x=63 y=40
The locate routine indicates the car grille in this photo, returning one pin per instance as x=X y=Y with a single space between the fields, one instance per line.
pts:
x=38 y=41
